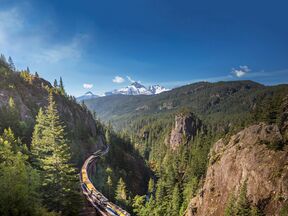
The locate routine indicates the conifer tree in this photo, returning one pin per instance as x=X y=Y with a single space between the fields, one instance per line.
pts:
x=3 y=60
x=61 y=86
x=121 y=192
x=11 y=64
x=175 y=201
x=55 y=83
x=243 y=206
x=19 y=183
x=230 y=206
x=151 y=186
x=36 y=74
x=52 y=155
x=255 y=211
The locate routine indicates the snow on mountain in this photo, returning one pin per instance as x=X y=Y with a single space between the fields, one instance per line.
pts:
x=88 y=95
x=137 y=88
x=157 y=89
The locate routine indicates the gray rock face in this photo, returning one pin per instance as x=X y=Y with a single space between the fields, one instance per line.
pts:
x=245 y=157
x=186 y=127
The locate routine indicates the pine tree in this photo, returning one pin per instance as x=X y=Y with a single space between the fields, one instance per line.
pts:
x=151 y=186
x=121 y=192
x=138 y=204
x=11 y=64
x=3 y=60
x=19 y=183
x=230 y=206
x=255 y=211
x=243 y=206
x=175 y=201
x=52 y=155
x=55 y=83
x=36 y=74
x=61 y=87
x=109 y=185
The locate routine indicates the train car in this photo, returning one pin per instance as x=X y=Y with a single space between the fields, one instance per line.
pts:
x=111 y=212
x=117 y=209
x=97 y=199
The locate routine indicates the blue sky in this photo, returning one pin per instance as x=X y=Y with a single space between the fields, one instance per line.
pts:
x=172 y=43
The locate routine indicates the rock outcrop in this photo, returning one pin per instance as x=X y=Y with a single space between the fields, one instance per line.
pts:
x=187 y=125
x=245 y=157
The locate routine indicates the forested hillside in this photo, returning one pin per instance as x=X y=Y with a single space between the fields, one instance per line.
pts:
x=174 y=132
x=45 y=136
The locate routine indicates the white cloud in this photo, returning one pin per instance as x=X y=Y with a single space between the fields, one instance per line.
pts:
x=130 y=79
x=35 y=45
x=241 y=71
x=118 y=79
x=87 y=85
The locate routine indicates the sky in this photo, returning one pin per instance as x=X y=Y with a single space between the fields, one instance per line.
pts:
x=104 y=45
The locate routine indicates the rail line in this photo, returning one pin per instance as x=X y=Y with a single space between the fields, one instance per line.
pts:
x=101 y=204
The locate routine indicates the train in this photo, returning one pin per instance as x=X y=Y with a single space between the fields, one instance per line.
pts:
x=95 y=197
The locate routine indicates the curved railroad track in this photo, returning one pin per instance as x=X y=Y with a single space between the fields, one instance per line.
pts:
x=101 y=204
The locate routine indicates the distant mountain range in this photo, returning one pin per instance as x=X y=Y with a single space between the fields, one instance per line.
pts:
x=88 y=95
x=134 y=88
x=137 y=88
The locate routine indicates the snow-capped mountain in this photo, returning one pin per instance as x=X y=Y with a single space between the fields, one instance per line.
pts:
x=88 y=95
x=137 y=88
x=157 y=89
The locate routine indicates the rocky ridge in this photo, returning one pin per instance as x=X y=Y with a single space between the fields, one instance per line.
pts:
x=247 y=156
x=187 y=125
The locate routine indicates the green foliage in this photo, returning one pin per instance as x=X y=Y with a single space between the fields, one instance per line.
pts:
x=19 y=182
x=230 y=209
x=176 y=201
x=240 y=205
x=284 y=210
x=151 y=186
x=243 y=205
x=52 y=156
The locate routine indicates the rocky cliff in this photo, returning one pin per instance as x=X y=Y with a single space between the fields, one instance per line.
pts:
x=257 y=155
x=187 y=125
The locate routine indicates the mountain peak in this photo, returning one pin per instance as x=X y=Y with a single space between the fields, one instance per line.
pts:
x=137 y=85
x=136 y=88
x=88 y=95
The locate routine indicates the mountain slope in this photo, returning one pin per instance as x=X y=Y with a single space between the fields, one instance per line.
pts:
x=221 y=101
x=29 y=93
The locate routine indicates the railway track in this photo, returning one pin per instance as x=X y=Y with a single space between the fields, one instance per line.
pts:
x=101 y=204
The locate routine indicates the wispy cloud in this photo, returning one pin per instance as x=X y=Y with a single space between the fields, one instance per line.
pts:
x=87 y=85
x=18 y=40
x=118 y=79
x=241 y=71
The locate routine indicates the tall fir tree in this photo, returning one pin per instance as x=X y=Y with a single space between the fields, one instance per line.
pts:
x=121 y=192
x=11 y=64
x=52 y=156
x=61 y=87
x=243 y=205
x=230 y=206
x=55 y=84
x=151 y=186
x=175 y=204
